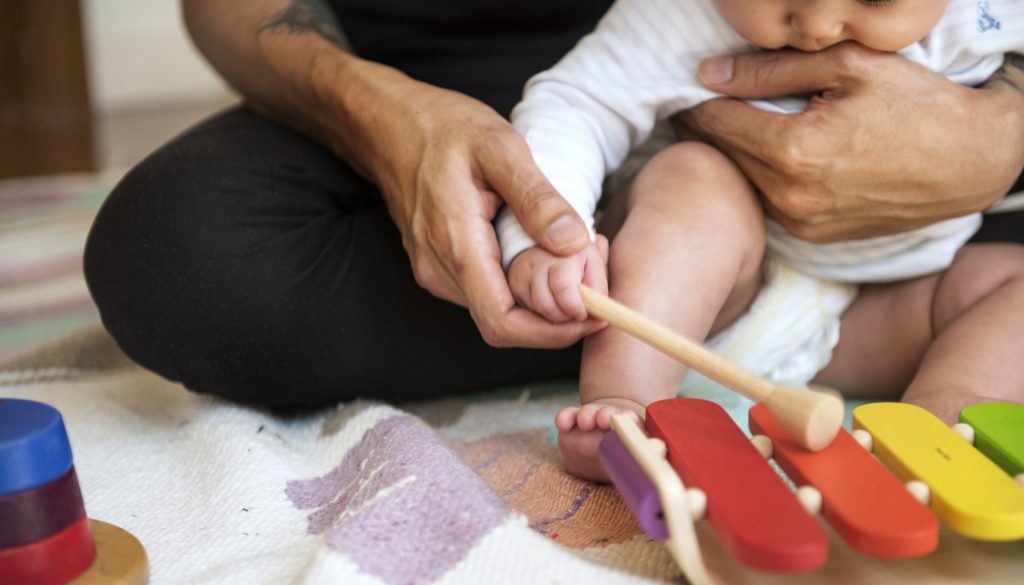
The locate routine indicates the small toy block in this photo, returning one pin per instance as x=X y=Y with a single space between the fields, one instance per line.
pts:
x=969 y=492
x=34 y=447
x=998 y=433
x=50 y=561
x=755 y=515
x=120 y=558
x=633 y=484
x=865 y=503
x=642 y=457
x=40 y=512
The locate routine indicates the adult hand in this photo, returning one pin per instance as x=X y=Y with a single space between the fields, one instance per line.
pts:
x=445 y=164
x=884 y=146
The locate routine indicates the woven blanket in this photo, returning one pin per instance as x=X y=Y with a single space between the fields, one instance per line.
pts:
x=43 y=225
x=466 y=490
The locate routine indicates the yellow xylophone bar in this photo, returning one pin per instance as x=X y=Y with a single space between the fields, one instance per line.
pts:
x=968 y=492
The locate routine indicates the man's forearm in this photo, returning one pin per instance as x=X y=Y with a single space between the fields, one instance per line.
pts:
x=302 y=17
x=290 y=61
x=1011 y=74
x=1009 y=80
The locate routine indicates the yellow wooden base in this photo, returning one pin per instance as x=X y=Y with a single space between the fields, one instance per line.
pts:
x=120 y=558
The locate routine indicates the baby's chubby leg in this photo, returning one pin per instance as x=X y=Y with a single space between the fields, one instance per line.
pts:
x=944 y=341
x=686 y=251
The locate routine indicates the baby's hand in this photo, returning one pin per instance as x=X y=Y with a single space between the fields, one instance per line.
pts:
x=549 y=285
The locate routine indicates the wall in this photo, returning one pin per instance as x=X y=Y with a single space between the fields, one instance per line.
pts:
x=140 y=57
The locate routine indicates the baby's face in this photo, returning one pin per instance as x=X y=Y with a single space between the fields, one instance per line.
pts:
x=812 y=25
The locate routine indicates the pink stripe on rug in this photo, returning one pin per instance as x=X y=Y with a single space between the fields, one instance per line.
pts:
x=42 y=192
x=8 y=318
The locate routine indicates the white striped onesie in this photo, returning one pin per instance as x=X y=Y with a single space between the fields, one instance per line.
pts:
x=584 y=116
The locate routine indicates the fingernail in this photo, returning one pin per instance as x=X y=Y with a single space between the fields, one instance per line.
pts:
x=564 y=231
x=715 y=70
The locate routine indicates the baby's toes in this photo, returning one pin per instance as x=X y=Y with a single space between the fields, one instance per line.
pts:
x=586 y=417
x=603 y=419
x=565 y=420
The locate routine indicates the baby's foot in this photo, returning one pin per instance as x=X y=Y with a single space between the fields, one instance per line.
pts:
x=580 y=430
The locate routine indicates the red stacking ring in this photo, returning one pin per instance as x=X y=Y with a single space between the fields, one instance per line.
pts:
x=52 y=561
x=40 y=512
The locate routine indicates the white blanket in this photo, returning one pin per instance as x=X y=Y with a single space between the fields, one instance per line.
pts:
x=458 y=491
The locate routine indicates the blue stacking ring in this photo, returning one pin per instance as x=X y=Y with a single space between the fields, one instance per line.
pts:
x=34 y=447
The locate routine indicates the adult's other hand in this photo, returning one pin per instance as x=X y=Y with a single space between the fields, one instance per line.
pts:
x=884 y=146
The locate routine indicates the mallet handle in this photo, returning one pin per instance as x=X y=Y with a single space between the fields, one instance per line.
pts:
x=689 y=353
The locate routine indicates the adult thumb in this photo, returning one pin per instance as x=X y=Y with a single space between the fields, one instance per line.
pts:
x=774 y=73
x=543 y=213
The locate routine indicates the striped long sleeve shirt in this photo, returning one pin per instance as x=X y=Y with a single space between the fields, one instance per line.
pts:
x=606 y=97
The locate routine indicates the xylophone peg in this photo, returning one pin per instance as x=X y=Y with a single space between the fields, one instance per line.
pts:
x=965 y=431
x=920 y=491
x=763 y=444
x=864 y=439
x=697 y=501
x=658 y=446
x=810 y=499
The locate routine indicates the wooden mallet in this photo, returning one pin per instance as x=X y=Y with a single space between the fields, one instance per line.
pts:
x=813 y=418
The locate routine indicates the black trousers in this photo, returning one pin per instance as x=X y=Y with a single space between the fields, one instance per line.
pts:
x=244 y=260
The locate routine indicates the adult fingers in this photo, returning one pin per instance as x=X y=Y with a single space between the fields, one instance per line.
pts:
x=509 y=169
x=737 y=126
x=431 y=274
x=500 y=321
x=775 y=73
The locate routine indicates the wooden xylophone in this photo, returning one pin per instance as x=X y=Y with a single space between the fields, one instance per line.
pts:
x=883 y=488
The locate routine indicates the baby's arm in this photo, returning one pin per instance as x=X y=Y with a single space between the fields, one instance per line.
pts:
x=549 y=285
x=582 y=117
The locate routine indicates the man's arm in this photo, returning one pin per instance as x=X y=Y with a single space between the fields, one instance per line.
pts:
x=887 y=146
x=443 y=161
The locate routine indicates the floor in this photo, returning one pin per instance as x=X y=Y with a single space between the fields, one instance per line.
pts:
x=44 y=222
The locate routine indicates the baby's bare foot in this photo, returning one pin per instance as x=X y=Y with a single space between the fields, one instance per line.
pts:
x=580 y=430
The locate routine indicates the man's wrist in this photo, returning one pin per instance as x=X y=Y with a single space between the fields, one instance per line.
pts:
x=1011 y=73
x=1000 y=109
x=353 y=102
x=1007 y=85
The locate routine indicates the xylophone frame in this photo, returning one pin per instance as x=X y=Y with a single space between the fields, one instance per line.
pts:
x=885 y=521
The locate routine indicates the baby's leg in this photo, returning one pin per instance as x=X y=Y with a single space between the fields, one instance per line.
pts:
x=688 y=255
x=944 y=341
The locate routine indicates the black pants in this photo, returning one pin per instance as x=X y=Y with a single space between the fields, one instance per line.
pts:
x=245 y=260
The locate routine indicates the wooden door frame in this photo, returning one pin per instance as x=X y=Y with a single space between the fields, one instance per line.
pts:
x=46 y=123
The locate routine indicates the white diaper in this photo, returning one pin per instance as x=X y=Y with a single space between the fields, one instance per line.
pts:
x=786 y=336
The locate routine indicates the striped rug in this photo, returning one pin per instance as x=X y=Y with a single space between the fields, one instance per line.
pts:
x=43 y=225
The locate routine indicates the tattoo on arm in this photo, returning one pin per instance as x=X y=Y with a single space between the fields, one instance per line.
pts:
x=1011 y=73
x=305 y=16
